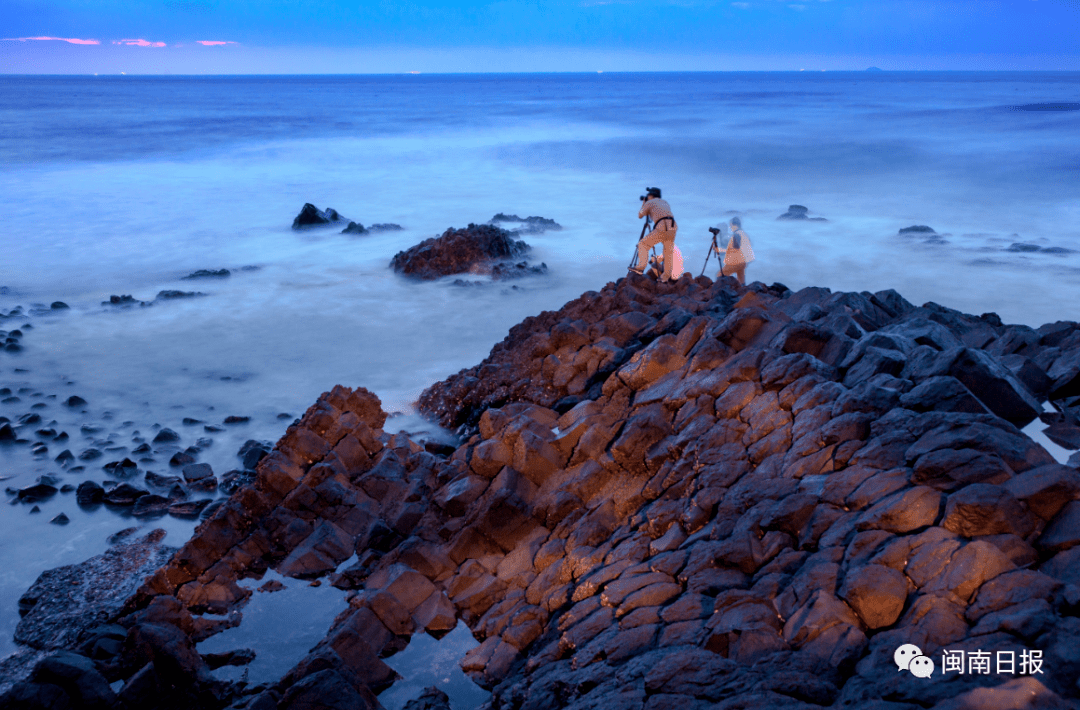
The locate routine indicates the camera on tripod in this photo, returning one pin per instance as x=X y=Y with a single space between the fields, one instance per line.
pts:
x=715 y=231
x=654 y=191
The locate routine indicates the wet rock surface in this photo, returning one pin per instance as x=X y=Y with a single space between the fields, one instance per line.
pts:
x=689 y=495
x=477 y=249
x=312 y=216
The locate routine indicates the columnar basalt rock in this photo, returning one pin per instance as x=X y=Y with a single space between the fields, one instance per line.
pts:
x=693 y=495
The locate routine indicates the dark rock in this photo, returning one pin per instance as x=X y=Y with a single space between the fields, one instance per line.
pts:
x=40 y=491
x=797 y=212
x=60 y=519
x=173 y=295
x=1067 y=436
x=166 y=435
x=75 y=401
x=189 y=509
x=204 y=274
x=476 y=249
x=1063 y=532
x=234 y=419
x=327 y=690
x=1022 y=248
x=189 y=421
x=160 y=481
x=312 y=216
x=431 y=699
x=917 y=230
x=385 y=227
x=121 y=469
x=197 y=472
x=7 y=433
x=125 y=494
x=150 y=504
x=181 y=458
x=89 y=493
x=239 y=657
x=124 y=300
x=58 y=305
x=354 y=228
x=67 y=601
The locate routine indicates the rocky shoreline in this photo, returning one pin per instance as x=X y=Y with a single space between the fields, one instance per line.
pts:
x=690 y=495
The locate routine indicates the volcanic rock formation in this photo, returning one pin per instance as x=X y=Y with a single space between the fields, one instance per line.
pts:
x=694 y=495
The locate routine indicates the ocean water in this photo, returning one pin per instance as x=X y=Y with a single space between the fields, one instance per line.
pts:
x=123 y=185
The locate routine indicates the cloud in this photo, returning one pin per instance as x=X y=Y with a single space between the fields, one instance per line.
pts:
x=138 y=43
x=69 y=40
x=212 y=42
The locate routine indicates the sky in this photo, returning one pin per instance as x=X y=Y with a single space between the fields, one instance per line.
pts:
x=330 y=36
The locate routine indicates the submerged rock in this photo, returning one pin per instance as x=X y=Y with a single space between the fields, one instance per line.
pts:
x=529 y=225
x=475 y=249
x=203 y=274
x=173 y=295
x=799 y=212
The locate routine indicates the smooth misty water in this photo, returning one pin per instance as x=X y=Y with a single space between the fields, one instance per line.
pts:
x=122 y=185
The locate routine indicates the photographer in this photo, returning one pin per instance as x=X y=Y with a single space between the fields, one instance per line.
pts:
x=664 y=228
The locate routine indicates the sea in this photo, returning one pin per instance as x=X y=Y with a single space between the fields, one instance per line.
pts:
x=124 y=185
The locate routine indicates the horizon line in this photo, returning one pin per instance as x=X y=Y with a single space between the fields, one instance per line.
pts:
x=868 y=70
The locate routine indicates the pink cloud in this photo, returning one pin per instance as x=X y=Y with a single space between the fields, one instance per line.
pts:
x=212 y=42
x=138 y=43
x=58 y=39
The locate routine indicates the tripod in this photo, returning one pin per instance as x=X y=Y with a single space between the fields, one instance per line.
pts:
x=712 y=248
x=644 y=230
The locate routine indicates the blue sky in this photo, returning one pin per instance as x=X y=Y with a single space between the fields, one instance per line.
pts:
x=282 y=36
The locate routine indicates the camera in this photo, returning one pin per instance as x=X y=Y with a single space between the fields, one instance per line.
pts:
x=714 y=231
x=654 y=191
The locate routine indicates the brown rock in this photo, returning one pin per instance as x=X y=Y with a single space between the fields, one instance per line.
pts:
x=984 y=509
x=876 y=593
x=904 y=511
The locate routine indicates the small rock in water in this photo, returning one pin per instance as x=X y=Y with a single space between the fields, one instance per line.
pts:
x=284 y=415
x=197 y=472
x=7 y=433
x=46 y=433
x=312 y=216
x=151 y=504
x=233 y=419
x=272 y=586
x=89 y=493
x=125 y=494
x=89 y=454
x=181 y=458
x=67 y=488
x=40 y=491
x=60 y=520
x=31 y=418
x=188 y=509
x=239 y=657
x=121 y=535
x=1023 y=248
x=917 y=229
x=212 y=429
x=122 y=469
x=156 y=479
x=75 y=401
x=59 y=305
x=354 y=228
x=124 y=300
x=173 y=295
x=35 y=509
x=203 y=274
x=143 y=448
x=204 y=443
x=799 y=212
x=188 y=421
x=166 y=435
